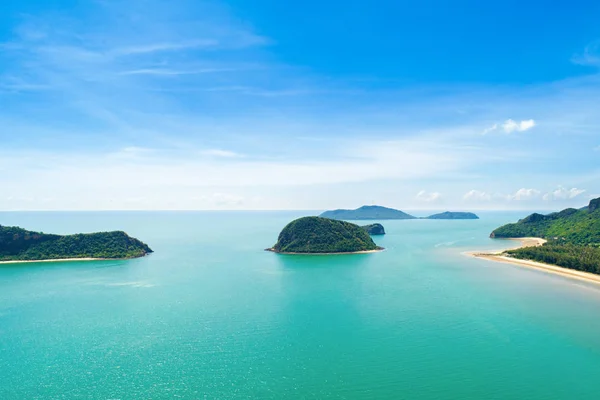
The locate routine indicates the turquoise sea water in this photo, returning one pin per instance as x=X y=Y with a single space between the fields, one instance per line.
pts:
x=210 y=315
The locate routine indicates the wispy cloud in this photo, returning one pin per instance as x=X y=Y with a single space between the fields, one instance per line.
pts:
x=510 y=126
x=562 y=193
x=165 y=47
x=428 y=197
x=220 y=153
x=524 y=194
x=175 y=72
x=477 y=195
x=590 y=55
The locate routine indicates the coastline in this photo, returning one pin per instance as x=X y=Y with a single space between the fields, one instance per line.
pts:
x=52 y=260
x=497 y=256
x=326 y=254
x=523 y=242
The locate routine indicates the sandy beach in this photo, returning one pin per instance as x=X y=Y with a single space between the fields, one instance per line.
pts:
x=55 y=260
x=497 y=256
x=325 y=254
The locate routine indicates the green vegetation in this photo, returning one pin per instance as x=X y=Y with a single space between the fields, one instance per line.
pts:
x=374 y=229
x=571 y=226
x=581 y=258
x=323 y=235
x=573 y=237
x=453 y=215
x=367 y=212
x=17 y=244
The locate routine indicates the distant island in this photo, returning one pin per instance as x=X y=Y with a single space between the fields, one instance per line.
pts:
x=367 y=212
x=384 y=213
x=453 y=215
x=17 y=244
x=317 y=235
x=573 y=237
x=374 y=229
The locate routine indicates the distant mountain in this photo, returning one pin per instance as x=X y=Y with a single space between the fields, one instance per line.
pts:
x=573 y=237
x=367 y=213
x=453 y=215
x=374 y=229
x=17 y=244
x=316 y=235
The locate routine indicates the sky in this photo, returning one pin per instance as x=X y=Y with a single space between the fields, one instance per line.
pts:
x=312 y=105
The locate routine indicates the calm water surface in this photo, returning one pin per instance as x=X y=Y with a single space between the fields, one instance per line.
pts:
x=211 y=316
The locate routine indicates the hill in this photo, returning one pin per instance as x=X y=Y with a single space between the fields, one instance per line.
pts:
x=17 y=244
x=453 y=215
x=367 y=212
x=573 y=237
x=323 y=235
x=374 y=229
x=579 y=227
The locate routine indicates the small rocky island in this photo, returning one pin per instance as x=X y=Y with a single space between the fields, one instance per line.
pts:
x=374 y=229
x=453 y=215
x=17 y=244
x=367 y=212
x=317 y=235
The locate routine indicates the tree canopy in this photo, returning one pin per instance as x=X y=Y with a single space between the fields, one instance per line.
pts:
x=17 y=244
x=323 y=235
x=573 y=237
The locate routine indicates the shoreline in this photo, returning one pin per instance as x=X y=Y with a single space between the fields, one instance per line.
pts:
x=523 y=242
x=52 y=260
x=326 y=254
x=497 y=256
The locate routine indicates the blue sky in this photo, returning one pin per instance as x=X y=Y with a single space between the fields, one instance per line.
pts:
x=149 y=104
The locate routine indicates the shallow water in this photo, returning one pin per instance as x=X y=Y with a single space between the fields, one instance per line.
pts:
x=211 y=315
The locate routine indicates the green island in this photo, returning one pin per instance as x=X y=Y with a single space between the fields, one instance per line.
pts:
x=374 y=229
x=573 y=237
x=317 y=235
x=383 y=213
x=453 y=215
x=18 y=244
x=367 y=212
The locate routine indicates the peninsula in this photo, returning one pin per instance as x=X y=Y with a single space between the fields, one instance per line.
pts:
x=366 y=213
x=317 y=235
x=569 y=239
x=20 y=245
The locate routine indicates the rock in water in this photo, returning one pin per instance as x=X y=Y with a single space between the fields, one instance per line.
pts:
x=374 y=229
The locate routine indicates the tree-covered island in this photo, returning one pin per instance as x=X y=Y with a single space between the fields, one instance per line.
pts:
x=17 y=244
x=317 y=235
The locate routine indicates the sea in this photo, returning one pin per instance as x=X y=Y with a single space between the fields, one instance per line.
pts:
x=211 y=315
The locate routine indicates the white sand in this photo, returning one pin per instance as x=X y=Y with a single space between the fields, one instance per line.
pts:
x=55 y=260
x=552 y=269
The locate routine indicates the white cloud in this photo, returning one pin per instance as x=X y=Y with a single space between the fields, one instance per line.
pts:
x=524 y=194
x=428 y=196
x=477 y=195
x=165 y=46
x=490 y=129
x=563 y=194
x=510 y=126
x=174 y=72
x=220 y=153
